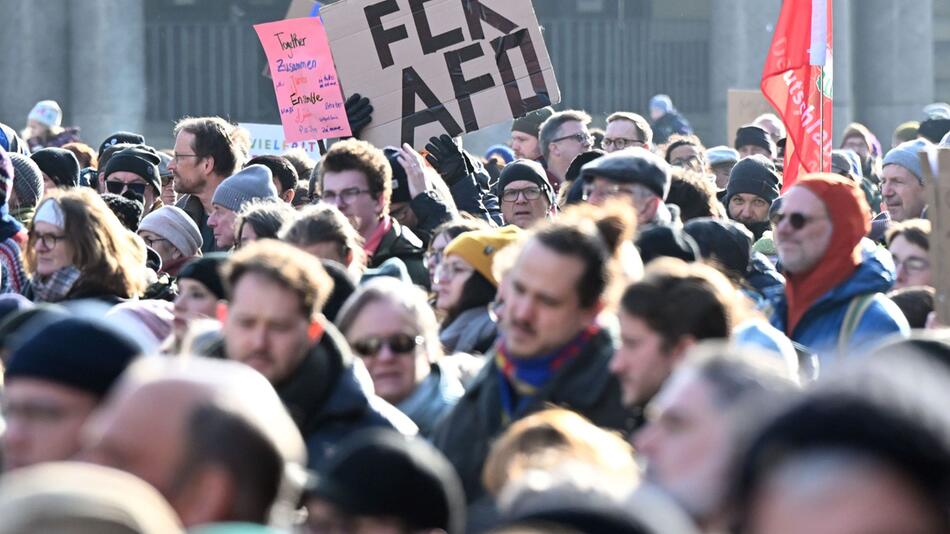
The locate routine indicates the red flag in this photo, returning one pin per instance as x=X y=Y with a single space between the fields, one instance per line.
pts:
x=796 y=80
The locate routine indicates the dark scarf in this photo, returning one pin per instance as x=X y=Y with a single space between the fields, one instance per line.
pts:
x=521 y=378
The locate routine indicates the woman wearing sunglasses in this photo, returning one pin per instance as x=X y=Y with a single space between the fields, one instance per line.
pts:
x=78 y=249
x=465 y=288
x=391 y=327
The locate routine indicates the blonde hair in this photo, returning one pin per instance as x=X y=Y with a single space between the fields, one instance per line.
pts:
x=109 y=256
x=553 y=437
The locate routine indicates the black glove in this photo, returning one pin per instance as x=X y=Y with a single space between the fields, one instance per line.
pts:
x=446 y=157
x=359 y=113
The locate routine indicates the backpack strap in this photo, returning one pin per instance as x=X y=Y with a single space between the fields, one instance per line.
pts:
x=852 y=318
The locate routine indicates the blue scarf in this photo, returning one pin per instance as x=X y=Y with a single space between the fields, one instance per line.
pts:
x=521 y=378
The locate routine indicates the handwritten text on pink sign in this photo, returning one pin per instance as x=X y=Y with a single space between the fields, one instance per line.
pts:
x=308 y=94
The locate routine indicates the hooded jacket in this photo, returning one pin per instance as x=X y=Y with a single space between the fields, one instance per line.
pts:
x=330 y=395
x=820 y=326
x=584 y=385
x=400 y=242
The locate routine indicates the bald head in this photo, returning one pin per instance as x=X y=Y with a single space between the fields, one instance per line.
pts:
x=211 y=435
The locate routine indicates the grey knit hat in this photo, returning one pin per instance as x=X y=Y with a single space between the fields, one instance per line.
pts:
x=176 y=226
x=27 y=180
x=251 y=182
x=906 y=155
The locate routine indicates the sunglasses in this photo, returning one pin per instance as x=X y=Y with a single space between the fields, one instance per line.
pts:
x=795 y=219
x=397 y=343
x=118 y=187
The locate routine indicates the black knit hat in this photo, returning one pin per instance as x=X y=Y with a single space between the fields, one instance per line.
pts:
x=400 y=179
x=633 y=166
x=754 y=175
x=726 y=242
x=280 y=168
x=755 y=136
x=380 y=472
x=140 y=160
x=59 y=164
x=531 y=171
x=80 y=353
x=660 y=241
x=933 y=129
x=120 y=138
x=127 y=208
x=531 y=123
x=207 y=270
x=574 y=170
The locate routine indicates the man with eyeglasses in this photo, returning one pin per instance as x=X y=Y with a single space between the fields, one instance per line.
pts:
x=135 y=169
x=834 y=300
x=54 y=380
x=626 y=129
x=909 y=244
x=526 y=195
x=753 y=187
x=274 y=324
x=562 y=137
x=635 y=174
x=356 y=177
x=207 y=151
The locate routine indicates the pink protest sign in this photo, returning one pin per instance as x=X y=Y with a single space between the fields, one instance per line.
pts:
x=305 y=81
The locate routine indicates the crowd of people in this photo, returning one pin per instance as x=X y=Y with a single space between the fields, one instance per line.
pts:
x=626 y=332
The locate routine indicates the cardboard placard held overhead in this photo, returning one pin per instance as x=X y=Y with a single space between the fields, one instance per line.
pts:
x=440 y=66
x=935 y=164
x=742 y=107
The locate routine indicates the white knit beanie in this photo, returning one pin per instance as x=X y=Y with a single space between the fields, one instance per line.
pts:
x=176 y=226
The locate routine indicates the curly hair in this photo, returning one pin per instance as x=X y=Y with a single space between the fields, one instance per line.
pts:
x=356 y=155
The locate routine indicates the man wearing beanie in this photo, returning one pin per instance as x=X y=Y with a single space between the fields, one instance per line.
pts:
x=526 y=195
x=834 y=302
x=752 y=139
x=135 y=169
x=902 y=181
x=27 y=188
x=54 y=379
x=525 y=132
x=59 y=166
x=637 y=175
x=171 y=232
x=753 y=186
x=420 y=210
x=120 y=138
x=254 y=182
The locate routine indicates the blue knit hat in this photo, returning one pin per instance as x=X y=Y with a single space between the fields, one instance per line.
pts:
x=80 y=353
x=662 y=103
x=906 y=155
x=250 y=183
x=507 y=155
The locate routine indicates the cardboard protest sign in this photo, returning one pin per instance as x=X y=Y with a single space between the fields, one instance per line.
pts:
x=935 y=164
x=268 y=139
x=440 y=66
x=308 y=93
x=742 y=107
